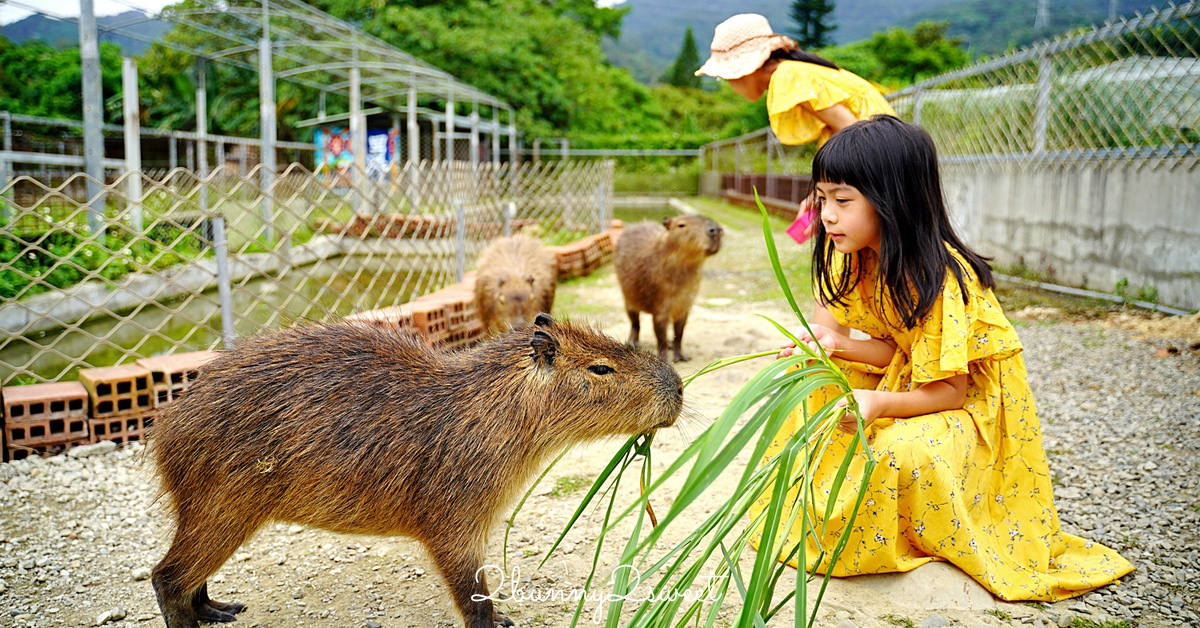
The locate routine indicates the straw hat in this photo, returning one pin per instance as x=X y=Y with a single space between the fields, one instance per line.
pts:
x=740 y=45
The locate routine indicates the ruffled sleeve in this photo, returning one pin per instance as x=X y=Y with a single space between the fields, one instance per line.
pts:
x=955 y=334
x=795 y=84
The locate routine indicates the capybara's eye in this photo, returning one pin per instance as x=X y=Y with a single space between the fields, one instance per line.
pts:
x=601 y=369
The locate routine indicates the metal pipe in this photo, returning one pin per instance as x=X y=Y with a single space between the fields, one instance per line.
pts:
x=202 y=128
x=133 y=142
x=93 y=115
x=224 y=292
x=266 y=123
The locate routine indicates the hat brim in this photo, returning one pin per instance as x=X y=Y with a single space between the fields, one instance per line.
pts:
x=736 y=63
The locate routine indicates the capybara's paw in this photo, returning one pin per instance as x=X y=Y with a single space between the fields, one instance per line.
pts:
x=210 y=614
x=501 y=619
x=227 y=607
x=682 y=357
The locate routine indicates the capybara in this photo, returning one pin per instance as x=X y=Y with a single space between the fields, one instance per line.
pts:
x=659 y=270
x=514 y=281
x=360 y=428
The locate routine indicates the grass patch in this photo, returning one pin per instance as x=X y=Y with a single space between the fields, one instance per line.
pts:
x=1081 y=622
x=995 y=612
x=897 y=620
x=567 y=485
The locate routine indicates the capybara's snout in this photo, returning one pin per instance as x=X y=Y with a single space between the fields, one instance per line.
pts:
x=714 y=232
x=670 y=393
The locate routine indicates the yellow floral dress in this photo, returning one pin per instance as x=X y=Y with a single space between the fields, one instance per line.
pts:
x=795 y=83
x=968 y=486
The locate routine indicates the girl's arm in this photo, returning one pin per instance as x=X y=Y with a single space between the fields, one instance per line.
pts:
x=836 y=117
x=931 y=397
x=837 y=341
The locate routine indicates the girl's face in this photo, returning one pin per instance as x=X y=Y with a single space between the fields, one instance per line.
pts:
x=849 y=218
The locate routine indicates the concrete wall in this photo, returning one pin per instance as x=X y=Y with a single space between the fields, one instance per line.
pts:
x=1086 y=224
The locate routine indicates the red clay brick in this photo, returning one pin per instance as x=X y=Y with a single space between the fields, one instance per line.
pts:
x=121 y=429
x=118 y=390
x=171 y=375
x=398 y=316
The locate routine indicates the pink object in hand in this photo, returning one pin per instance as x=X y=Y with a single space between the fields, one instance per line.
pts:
x=802 y=228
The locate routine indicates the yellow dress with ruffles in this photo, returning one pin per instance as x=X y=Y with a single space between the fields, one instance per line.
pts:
x=796 y=83
x=969 y=486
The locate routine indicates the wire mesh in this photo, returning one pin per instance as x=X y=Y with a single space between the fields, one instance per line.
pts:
x=174 y=264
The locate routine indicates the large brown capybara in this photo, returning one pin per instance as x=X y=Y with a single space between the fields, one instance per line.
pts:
x=659 y=270
x=359 y=428
x=514 y=280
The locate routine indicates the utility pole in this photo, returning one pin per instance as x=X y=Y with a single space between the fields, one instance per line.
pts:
x=1043 y=14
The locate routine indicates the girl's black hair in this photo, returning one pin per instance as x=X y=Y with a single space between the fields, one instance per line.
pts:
x=894 y=165
x=796 y=54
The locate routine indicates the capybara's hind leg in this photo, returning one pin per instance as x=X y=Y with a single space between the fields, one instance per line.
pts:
x=468 y=587
x=208 y=609
x=635 y=326
x=678 y=346
x=196 y=553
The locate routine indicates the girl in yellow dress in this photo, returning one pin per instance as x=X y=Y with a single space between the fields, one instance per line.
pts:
x=961 y=474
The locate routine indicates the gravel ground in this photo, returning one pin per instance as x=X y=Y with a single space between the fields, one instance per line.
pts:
x=1122 y=428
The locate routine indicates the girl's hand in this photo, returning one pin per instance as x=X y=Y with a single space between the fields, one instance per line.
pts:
x=821 y=334
x=868 y=404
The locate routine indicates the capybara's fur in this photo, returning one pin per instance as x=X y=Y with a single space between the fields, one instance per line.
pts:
x=514 y=281
x=358 y=428
x=659 y=270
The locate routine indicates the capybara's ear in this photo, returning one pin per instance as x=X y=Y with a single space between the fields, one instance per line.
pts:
x=667 y=221
x=544 y=347
x=543 y=320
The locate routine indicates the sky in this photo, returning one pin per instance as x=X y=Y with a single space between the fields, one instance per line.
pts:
x=70 y=8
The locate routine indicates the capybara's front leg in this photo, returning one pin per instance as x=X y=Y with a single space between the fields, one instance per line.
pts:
x=635 y=326
x=660 y=334
x=468 y=587
x=679 y=324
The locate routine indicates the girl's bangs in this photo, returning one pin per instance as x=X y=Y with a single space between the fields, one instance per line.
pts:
x=838 y=162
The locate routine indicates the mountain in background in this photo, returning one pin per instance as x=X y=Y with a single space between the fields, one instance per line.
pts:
x=65 y=34
x=652 y=32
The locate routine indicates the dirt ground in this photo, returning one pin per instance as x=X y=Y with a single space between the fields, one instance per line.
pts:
x=293 y=576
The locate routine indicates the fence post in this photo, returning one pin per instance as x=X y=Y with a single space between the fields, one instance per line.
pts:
x=460 y=238
x=93 y=115
x=202 y=131
x=133 y=142
x=5 y=166
x=769 y=182
x=221 y=252
x=266 y=123
x=510 y=212
x=414 y=152
x=601 y=206
x=1041 y=120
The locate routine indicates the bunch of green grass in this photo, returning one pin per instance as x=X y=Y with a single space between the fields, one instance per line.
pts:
x=679 y=591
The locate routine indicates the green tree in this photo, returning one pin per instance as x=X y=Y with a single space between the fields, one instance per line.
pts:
x=38 y=79
x=682 y=73
x=907 y=57
x=813 y=23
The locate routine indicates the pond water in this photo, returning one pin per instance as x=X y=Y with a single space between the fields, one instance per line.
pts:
x=320 y=291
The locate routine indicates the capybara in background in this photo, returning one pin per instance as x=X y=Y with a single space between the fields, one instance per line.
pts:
x=359 y=428
x=514 y=280
x=659 y=270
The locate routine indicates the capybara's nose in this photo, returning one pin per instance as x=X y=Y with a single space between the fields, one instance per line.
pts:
x=714 y=231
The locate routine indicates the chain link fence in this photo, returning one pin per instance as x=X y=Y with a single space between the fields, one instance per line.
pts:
x=192 y=263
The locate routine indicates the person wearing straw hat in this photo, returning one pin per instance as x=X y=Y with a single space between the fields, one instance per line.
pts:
x=809 y=98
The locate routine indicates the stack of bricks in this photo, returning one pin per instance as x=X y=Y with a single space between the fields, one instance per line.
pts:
x=570 y=258
x=171 y=375
x=463 y=327
x=122 y=402
x=584 y=256
x=44 y=418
